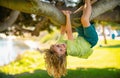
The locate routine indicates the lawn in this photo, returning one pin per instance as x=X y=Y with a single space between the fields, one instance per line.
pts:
x=103 y=63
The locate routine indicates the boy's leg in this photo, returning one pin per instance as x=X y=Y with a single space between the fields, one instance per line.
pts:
x=84 y=18
x=90 y=33
x=86 y=14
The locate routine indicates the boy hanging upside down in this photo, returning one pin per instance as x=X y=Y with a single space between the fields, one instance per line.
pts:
x=55 y=57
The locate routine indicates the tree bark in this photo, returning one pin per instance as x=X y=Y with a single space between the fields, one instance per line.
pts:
x=110 y=16
x=103 y=6
x=36 y=7
x=39 y=26
x=100 y=7
x=55 y=15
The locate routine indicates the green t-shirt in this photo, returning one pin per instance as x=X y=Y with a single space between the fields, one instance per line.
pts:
x=78 y=47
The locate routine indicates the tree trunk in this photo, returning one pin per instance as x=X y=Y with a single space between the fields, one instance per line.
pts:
x=55 y=15
x=104 y=35
x=39 y=26
x=110 y=16
x=103 y=6
x=36 y=7
x=9 y=21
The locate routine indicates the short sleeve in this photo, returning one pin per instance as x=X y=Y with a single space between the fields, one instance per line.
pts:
x=79 y=47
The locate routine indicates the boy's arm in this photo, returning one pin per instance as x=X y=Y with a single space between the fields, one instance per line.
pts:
x=63 y=29
x=68 y=27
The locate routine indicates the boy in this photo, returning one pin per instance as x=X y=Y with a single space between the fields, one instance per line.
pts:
x=55 y=57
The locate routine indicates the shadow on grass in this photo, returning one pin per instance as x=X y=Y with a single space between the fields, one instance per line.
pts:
x=3 y=75
x=111 y=46
x=77 y=73
x=93 y=73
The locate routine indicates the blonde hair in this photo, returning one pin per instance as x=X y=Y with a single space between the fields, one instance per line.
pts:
x=55 y=65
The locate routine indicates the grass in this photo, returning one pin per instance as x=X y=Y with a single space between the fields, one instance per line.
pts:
x=103 y=63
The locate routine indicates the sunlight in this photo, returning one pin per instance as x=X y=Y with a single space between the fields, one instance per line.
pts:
x=101 y=58
x=11 y=48
x=7 y=53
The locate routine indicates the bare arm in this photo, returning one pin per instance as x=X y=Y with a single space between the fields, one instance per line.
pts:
x=63 y=30
x=68 y=26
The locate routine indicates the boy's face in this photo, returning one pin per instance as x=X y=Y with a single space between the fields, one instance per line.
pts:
x=60 y=49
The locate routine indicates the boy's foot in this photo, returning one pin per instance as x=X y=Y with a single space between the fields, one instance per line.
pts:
x=90 y=1
x=87 y=1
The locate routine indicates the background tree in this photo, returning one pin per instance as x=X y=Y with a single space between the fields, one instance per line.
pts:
x=47 y=13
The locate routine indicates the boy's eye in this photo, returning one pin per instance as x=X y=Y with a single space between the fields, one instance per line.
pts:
x=60 y=49
x=57 y=45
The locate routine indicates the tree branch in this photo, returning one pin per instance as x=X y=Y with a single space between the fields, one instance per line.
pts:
x=36 y=7
x=10 y=20
x=54 y=14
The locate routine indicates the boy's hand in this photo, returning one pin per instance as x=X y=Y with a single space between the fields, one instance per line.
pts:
x=66 y=13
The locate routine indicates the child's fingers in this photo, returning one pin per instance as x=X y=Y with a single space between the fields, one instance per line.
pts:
x=66 y=12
